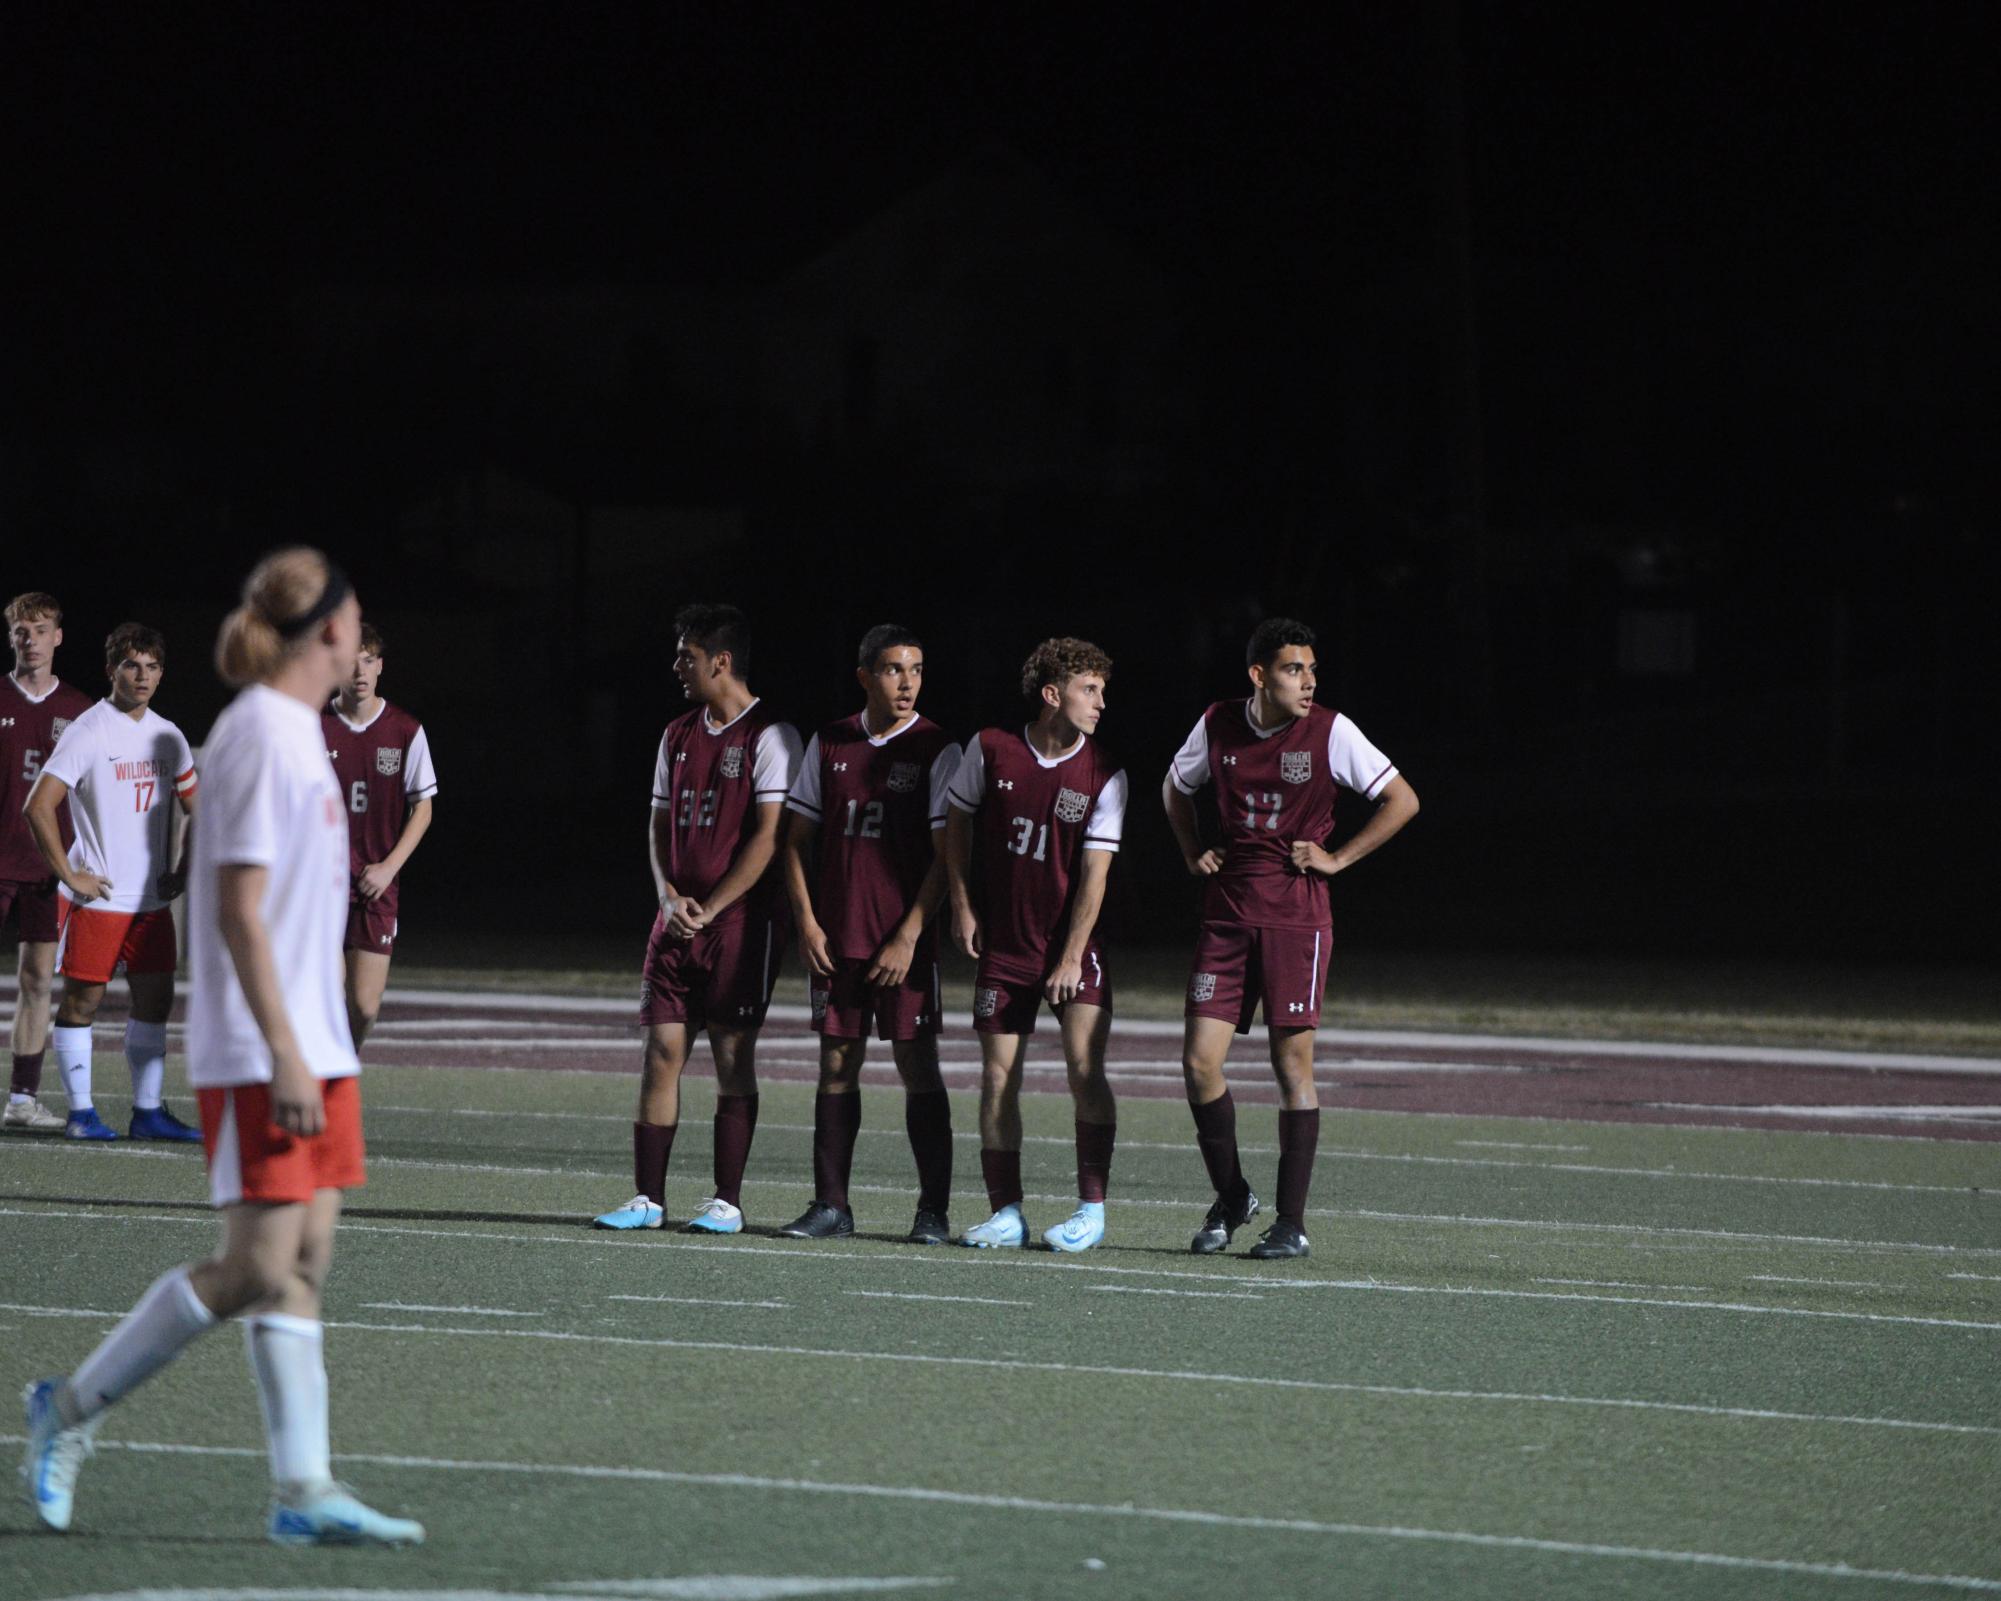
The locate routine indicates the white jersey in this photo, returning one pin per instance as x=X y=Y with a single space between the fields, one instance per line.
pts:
x=270 y=800
x=123 y=773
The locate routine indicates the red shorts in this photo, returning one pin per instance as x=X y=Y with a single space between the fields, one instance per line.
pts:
x=371 y=926
x=33 y=908
x=251 y=1159
x=1236 y=965
x=92 y=945
x=1003 y=1005
x=845 y=1005
x=722 y=976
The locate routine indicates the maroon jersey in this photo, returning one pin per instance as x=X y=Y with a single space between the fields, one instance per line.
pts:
x=28 y=732
x=383 y=767
x=876 y=802
x=709 y=783
x=1037 y=819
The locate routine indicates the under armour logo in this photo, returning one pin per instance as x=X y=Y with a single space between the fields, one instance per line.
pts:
x=1295 y=1006
x=1229 y=761
x=1003 y=783
x=840 y=767
x=333 y=755
x=6 y=722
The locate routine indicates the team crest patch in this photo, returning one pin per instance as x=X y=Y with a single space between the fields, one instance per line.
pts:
x=1071 y=805
x=903 y=777
x=389 y=761
x=57 y=725
x=1295 y=766
x=732 y=761
x=986 y=1002
x=1202 y=987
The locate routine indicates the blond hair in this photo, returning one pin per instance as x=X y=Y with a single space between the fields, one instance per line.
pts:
x=1057 y=661
x=286 y=583
x=34 y=604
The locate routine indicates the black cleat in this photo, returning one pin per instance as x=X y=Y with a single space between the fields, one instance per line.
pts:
x=820 y=1222
x=1284 y=1238
x=1223 y=1221
x=929 y=1228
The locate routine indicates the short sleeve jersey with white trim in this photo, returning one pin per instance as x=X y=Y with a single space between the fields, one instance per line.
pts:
x=877 y=800
x=123 y=774
x=30 y=726
x=1274 y=786
x=710 y=782
x=384 y=768
x=1037 y=818
x=270 y=800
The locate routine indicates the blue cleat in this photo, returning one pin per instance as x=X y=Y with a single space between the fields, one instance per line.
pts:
x=157 y=1123
x=1005 y=1227
x=637 y=1213
x=54 y=1454
x=1084 y=1228
x=715 y=1216
x=87 y=1125
x=331 y=1514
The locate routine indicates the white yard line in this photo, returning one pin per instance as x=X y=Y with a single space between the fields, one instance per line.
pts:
x=1198 y=1517
x=1832 y=1284
x=692 y=1300
x=1517 y=1145
x=1192 y=1295
x=899 y=1295
x=469 y=1311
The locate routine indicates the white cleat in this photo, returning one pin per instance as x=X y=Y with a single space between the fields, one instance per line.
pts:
x=1082 y=1230
x=637 y=1213
x=54 y=1454
x=714 y=1216
x=332 y=1514
x=1006 y=1227
x=30 y=1114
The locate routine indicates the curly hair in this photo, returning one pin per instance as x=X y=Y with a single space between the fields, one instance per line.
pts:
x=1057 y=661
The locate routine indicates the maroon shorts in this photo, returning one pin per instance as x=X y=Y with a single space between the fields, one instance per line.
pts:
x=32 y=906
x=371 y=926
x=848 y=1007
x=1236 y=965
x=723 y=976
x=93 y=945
x=1005 y=1005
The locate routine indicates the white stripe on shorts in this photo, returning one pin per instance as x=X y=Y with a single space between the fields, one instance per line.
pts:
x=225 y=1172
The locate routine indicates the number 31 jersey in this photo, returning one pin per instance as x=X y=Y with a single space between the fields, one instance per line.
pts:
x=1274 y=786
x=384 y=766
x=1037 y=818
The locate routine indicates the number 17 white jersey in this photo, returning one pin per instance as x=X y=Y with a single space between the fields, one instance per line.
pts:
x=123 y=773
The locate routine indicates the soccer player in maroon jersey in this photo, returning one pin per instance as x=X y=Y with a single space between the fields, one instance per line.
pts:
x=34 y=710
x=383 y=760
x=869 y=795
x=1266 y=934
x=1051 y=808
x=718 y=796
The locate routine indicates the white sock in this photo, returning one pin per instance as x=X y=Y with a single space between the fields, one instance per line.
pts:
x=167 y=1319
x=73 y=1062
x=146 y=1050
x=287 y=1356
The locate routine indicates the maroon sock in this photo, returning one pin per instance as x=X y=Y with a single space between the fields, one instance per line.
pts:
x=650 y=1144
x=28 y=1073
x=1298 y=1139
x=1002 y=1171
x=1216 y=1134
x=927 y=1119
x=1094 y=1158
x=837 y=1119
x=736 y=1122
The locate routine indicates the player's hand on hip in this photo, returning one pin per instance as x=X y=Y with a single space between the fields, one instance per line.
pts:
x=813 y=950
x=296 y=1103
x=1308 y=857
x=1063 y=984
x=86 y=887
x=1208 y=864
x=374 y=881
x=967 y=933
x=892 y=963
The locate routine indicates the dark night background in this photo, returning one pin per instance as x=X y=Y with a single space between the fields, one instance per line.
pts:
x=1613 y=388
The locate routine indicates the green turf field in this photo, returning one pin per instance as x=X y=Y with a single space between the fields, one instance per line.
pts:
x=1526 y=1359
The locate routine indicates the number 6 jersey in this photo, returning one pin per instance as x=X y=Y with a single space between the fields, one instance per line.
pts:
x=1274 y=786
x=384 y=765
x=1037 y=818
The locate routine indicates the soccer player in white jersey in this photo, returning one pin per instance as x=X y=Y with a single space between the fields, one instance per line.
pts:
x=129 y=778
x=272 y=1062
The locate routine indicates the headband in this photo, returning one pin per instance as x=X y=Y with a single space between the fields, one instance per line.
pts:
x=336 y=591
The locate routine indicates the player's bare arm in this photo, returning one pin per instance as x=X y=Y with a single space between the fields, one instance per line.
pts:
x=753 y=859
x=175 y=879
x=376 y=877
x=296 y=1106
x=44 y=800
x=892 y=961
x=1202 y=863
x=1067 y=977
x=799 y=833
x=1395 y=807
x=966 y=931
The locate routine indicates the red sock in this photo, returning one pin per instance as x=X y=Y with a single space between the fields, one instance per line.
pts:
x=1216 y=1135
x=736 y=1122
x=1298 y=1139
x=1002 y=1171
x=1094 y=1158
x=27 y=1073
x=837 y=1119
x=927 y=1119
x=650 y=1144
